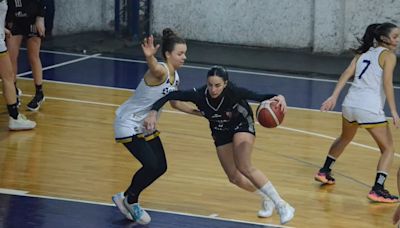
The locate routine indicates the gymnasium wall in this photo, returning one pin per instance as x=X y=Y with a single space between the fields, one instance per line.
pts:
x=75 y=16
x=329 y=26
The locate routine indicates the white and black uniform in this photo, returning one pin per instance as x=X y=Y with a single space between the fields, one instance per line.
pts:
x=366 y=97
x=3 y=13
x=21 y=16
x=131 y=114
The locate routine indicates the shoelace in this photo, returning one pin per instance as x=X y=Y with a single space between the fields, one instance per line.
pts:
x=138 y=211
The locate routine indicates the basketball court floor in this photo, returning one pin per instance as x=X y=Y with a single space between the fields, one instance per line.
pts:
x=63 y=173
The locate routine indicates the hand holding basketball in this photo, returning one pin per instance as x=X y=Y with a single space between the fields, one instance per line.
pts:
x=281 y=102
x=270 y=113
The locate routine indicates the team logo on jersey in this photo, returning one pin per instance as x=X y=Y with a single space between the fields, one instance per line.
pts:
x=167 y=90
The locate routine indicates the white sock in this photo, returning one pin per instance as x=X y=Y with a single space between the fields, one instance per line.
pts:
x=269 y=190
x=263 y=196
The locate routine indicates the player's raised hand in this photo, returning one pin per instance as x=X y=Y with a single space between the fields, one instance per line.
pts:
x=148 y=46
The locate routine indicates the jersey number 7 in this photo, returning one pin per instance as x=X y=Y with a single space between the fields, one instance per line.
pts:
x=365 y=68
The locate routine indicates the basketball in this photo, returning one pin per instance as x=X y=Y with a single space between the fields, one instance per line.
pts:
x=269 y=114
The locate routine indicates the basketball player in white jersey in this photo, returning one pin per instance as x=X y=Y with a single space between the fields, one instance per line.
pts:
x=372 y=69
x=17 y=121
x=146 y=146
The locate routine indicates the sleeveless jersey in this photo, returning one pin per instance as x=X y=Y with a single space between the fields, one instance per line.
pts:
x=3 y=12
x=131 y=114
x=366 y=91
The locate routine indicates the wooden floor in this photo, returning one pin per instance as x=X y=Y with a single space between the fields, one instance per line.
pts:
x=72 y=154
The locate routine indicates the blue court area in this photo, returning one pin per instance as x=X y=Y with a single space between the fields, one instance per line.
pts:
x=25 y=211
x=301 y=92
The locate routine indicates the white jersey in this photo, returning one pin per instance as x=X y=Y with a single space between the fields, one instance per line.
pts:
x=131 y=114
x=3 y=12
x=366 y=91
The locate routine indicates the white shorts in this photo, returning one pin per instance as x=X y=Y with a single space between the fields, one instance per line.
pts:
x=3 y=11
x=3 y=47
x=363 y=118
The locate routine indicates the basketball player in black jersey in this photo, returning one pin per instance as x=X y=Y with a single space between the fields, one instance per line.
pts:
x=25 y=19
x=232 y=125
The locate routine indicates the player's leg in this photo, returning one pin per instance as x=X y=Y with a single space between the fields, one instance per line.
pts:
x=242 y=149
x=348 y=132
x=152 y=157
x=225 y=156
x=33 y=46
x=13 y=45
x=17 y=121
x=384 y=140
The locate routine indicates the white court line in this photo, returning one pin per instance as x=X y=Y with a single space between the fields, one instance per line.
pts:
x=12 y=191
x=26 y=193
x=61 y=64
x=80 y=84
x=206 y=68
x=58 y=52
x=181 y=113
x=239 y=71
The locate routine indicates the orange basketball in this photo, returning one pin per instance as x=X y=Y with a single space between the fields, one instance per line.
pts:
x=269 y=114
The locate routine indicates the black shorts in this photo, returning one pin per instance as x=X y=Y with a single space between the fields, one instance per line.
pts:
x=25 y=27
x=222 y=137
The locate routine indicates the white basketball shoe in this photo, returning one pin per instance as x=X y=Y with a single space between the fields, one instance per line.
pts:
x=267 y=208
x=21 y=123
x=118 y=200
x=286 y=212
x=138 y=214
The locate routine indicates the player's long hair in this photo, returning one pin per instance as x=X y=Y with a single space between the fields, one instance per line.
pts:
x=374 y=32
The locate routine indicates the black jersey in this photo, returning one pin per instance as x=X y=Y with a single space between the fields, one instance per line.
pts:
x=28 y=9
x=223 y=113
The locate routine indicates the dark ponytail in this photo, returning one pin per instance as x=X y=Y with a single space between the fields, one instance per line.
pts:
x=169 y=39
x=374 y=32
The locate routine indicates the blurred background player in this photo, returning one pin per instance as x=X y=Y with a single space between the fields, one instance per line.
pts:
x=25 y=19
x=17 y=121
x=372 y=69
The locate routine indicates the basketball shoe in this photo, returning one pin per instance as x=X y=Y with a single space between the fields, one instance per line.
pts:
x=324 y=177
x=267 y=208
x=35 y=103
x=21 y=123
x=138 y=214
x=382 y=196
x=286 y=212
x=118 y=200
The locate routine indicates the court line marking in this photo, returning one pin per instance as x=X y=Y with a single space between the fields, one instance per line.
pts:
x=61 y=64
x=16 y=192
x=57 y=52
x=253 y=104
x=289 y=76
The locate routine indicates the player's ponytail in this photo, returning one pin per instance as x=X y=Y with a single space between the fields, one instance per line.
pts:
x=169 y=39
x=374 y=32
